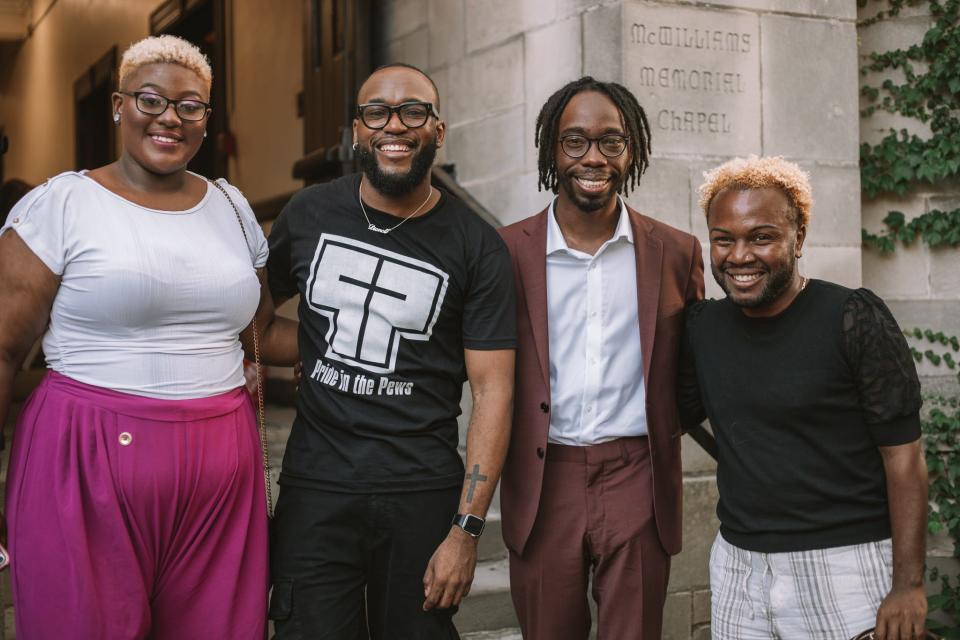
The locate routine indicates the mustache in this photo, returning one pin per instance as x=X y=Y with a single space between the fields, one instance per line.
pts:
x=726 y=266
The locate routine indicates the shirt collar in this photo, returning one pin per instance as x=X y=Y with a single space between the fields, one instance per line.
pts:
x=556 y=242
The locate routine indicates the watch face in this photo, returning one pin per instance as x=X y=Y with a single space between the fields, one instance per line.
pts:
x=470 y=523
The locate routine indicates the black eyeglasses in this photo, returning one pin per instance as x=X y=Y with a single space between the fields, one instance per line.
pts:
x=154 y=104
x=577 y=146
x=375 y=115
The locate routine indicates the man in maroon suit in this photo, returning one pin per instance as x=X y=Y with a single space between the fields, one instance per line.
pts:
x=592 y=482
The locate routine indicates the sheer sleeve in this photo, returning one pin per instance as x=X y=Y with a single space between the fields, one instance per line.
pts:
x=884 y=369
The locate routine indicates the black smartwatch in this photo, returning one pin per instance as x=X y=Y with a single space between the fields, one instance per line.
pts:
x=470 y=523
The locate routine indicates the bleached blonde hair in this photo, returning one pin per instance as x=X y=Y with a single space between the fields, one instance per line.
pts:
x=758 y=173
x=165 y=49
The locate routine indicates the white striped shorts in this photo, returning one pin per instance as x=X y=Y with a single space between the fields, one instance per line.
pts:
x=824 y=594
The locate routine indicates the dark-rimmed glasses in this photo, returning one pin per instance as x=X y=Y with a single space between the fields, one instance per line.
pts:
x=413 y=115
x=577 y=146
x=153 y=104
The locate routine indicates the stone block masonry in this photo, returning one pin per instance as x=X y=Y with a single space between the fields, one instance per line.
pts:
x=697 y=74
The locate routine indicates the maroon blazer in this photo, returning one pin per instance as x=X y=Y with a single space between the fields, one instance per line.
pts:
x=669 y=276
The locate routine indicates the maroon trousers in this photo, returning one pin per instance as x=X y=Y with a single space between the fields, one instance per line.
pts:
x=595 y=520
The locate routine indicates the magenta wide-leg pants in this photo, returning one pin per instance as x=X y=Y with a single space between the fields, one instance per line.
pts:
x=133 y=518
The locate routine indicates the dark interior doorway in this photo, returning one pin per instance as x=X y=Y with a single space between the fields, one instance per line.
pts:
x=94 y=137
x=202 y=23
x=336 y=60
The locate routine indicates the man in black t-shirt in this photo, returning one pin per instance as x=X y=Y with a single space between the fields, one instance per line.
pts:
x=404 y=295
x=814 y=399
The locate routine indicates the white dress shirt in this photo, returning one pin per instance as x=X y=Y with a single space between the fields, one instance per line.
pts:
x=596 y=368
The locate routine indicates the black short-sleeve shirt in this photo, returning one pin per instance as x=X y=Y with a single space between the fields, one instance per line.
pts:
x=384 y=321
x=800 y=404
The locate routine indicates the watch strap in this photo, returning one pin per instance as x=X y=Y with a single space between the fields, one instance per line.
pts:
x=470 y=523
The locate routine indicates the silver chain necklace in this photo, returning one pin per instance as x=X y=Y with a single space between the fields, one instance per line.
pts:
x=373 y=227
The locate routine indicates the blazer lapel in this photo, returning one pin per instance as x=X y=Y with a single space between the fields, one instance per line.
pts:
x=649 y=250
x=533 y=274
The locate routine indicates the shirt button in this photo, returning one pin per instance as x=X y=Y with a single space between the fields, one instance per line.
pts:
x=590 y=409
x=125 y=439
x=540 y=452
x=544 y=407
x=16 y=220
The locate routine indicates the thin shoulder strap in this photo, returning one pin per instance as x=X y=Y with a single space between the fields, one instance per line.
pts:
x=261 y=421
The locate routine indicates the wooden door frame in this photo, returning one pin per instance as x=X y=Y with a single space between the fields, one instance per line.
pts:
x=103 y=70
x=167 y=16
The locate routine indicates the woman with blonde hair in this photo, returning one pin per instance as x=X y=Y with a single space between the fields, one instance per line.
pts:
x=135 y=495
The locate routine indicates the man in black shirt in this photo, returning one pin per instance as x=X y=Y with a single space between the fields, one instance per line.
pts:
x=814 y=399
x=404 y=294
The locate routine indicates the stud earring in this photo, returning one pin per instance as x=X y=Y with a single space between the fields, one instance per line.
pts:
x=116 y=118
x=204 y=134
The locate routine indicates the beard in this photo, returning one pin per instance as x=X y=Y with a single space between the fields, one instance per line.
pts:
x=397 y=184
x=778 y=281
x=591 y=203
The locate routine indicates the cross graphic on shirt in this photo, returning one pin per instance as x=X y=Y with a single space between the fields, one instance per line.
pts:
x=371 y=288
x=475 y=477
x=373 y=299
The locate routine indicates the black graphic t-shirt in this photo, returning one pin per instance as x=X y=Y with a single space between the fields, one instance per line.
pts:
x=384 y=320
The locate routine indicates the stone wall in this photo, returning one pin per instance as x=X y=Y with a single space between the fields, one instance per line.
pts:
x=921 y=285
x=717 y=79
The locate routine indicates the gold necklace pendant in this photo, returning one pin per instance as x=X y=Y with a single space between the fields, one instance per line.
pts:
x=373 y=227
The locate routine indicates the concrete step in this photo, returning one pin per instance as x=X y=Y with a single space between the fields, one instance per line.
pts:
x=499 y=634
x=491 y=546
x=488 y=607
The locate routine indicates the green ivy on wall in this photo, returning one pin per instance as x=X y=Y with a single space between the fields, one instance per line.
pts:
x=941 y=426
x=930 y=94
x=937 y=228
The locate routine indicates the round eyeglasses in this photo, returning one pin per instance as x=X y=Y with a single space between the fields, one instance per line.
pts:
x=577 y=146
x=154 y=104
x=413 y=115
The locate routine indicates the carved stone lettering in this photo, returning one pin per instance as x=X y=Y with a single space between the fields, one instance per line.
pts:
x=666 y=35
x=696 y=72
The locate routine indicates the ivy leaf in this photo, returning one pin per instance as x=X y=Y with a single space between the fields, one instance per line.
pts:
x=895 y=219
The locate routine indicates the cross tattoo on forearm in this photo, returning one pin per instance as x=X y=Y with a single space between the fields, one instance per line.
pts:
x=475 y=477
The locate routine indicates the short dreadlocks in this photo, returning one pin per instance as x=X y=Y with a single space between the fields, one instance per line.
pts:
x=634 y=118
